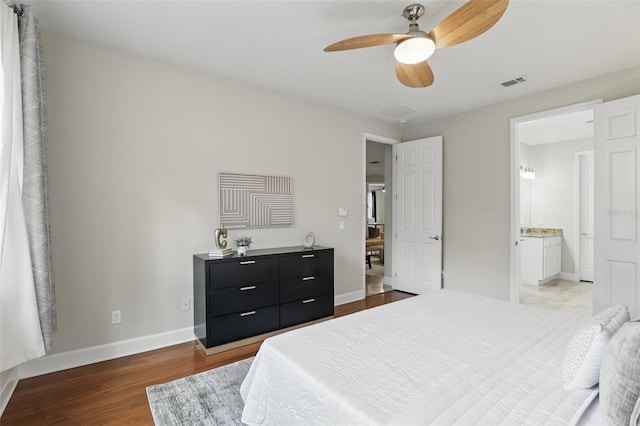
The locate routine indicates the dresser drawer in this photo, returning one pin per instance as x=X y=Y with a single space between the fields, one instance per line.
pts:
x=306 y=264
x=242 y=272
x=238 y=326
x=297 y=289
x=242 y=299
x=306 y=310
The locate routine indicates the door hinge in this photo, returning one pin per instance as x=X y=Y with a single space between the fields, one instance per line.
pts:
x=396 y=157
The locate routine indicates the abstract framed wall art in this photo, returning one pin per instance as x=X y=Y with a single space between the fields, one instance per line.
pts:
x=254 y=201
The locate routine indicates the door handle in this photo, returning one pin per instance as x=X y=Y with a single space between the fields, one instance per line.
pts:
x=435 y=238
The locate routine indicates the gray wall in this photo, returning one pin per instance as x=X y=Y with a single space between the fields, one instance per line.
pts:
x=135 y=149
x=476 y=211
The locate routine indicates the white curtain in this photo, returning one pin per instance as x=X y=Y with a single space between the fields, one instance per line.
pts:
x=20 y=332
x=35 y=187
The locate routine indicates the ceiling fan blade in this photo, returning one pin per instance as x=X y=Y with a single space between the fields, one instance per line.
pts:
x=366 y=41
x=415 y=75
x=469 y=21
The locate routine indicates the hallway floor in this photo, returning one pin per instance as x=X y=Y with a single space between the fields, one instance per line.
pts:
x=374 y=276
x=574 y=296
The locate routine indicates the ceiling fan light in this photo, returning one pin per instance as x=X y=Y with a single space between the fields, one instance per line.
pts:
x=414 y=50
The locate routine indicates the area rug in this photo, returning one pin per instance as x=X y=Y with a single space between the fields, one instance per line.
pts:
x=209 y=398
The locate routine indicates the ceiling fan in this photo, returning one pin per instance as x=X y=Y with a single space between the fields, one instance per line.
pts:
x=416 y=46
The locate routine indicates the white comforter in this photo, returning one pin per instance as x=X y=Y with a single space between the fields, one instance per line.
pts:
x=442 y=358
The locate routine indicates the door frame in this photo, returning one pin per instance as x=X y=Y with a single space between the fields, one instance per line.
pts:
x=578 y=215
x=514 y=183
x=363 y=217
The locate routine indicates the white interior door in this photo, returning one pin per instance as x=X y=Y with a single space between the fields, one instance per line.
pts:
x=417 y=216
x=617 y=218
x=586 y=215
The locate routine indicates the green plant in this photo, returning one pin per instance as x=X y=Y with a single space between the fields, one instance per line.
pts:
x=242 y=242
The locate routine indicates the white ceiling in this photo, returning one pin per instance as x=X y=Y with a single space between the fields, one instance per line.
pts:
x=560 y=128
x=279 y=45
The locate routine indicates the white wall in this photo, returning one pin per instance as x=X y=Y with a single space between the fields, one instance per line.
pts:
x=476 y=179
x=525 y=188
x=553 y=192
x=135 y=148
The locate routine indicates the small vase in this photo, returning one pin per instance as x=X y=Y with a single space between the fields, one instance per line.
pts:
x=242 y=250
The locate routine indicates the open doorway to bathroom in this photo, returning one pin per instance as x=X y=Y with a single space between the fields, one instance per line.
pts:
x=378 y=217
x=556 y=213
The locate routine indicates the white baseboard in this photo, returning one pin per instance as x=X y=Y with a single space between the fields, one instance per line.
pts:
x=77 y=358
x=354 y=296
x=388 y=281
x=8 y=388
x=568 y=276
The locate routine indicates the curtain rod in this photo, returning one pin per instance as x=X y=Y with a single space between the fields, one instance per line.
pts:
x=16 y=9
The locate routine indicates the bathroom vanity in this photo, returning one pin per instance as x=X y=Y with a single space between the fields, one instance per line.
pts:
x=541 y=255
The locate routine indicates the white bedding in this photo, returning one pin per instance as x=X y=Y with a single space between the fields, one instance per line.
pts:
x=442 y=358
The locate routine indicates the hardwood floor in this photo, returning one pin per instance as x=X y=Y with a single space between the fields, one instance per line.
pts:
x=114 y=392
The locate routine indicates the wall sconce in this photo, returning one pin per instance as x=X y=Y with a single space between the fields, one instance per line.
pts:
x=527 y=173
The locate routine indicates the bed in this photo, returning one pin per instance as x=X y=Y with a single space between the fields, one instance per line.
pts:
x=441 y=358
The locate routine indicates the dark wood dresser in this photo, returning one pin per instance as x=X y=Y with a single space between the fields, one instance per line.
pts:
x=240 y=300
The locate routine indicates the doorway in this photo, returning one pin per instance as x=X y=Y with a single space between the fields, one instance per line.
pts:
x=552 y=208
x=378 y=214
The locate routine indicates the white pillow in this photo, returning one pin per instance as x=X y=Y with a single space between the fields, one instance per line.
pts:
x=620 y=377
x=584 y=354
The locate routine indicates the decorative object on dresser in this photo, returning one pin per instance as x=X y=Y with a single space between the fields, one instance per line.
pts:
x=251 y=201
x=309 y=240
x=240 y=300
x=243 y=244
x=221 y=249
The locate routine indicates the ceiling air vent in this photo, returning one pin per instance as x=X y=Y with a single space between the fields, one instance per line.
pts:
x=515 y=81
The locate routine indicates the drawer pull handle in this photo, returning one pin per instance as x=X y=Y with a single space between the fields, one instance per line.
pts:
x=246 y=314
x=251 y=287
x=308 y=255
x=248 y=262
x=308 y=278
x=308 y=300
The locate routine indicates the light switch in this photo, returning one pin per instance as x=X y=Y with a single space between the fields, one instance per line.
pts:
x=341 y=226
x=342 y=211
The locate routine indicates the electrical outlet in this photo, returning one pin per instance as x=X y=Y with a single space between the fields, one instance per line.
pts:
x=186 y=304
x=116 y=317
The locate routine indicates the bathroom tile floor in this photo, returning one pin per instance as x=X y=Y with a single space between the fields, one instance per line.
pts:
x=574 y=296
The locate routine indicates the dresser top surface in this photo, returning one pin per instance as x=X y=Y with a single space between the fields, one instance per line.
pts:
x=266 y=252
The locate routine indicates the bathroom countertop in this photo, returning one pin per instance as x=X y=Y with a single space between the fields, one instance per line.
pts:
x=540 y=232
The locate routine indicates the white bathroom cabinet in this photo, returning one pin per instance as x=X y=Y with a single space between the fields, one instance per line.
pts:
x=541 y=259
